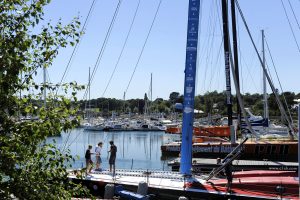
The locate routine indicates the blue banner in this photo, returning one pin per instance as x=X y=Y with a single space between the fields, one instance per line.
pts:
x=189 y=87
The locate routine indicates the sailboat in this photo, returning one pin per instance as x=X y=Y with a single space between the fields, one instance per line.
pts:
x=172 y=185
x=264 y=149
x=91 y=126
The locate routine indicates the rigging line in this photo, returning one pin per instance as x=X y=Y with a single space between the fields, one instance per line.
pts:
x=216 y=62
x=238 y=94
x=199 y=41
x=240 y=53
x=294 y=14
x=206 y=48
x=106 y=40
x=107 y=36
x=121 y=53
x=290 y=126
x=33 y=70
x=74 y=53
x=143 y=46
x=249 y=71
x=211 y=52
x=76 y=45
x=65 y=144
x=273 y=63
x=219 y=17
x=205 y=43
x=290 y=26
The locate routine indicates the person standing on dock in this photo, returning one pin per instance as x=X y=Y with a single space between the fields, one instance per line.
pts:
x=88 y=159
x=98 y=156
x=112 y=158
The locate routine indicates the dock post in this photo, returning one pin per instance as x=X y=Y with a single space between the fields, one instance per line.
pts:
x=232 y=134
x=109 y=191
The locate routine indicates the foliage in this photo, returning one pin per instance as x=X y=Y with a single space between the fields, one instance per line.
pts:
x=30 y=169
x=211 y=102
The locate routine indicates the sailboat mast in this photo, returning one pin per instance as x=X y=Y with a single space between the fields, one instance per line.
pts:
x=89 y=110
x=226 y=57
x=45 y=94
x=151 y=88
x=189 y=87
x=235 y=52
x=266 y=111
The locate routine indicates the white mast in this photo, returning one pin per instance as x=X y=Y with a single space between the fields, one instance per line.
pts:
x=45 y=97
x=266 y=110
x=89 y=86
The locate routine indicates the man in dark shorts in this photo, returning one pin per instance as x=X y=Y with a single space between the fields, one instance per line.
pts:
x=88 y=160
x=112 y=158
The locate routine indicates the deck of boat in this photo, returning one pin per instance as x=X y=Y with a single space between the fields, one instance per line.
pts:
x=206 y=165
x=171 y=185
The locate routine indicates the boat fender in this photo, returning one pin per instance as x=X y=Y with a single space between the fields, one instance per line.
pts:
x=109 y=191
x=142 y=188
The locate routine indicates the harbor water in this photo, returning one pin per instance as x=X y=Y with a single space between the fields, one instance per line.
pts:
x=135 y=150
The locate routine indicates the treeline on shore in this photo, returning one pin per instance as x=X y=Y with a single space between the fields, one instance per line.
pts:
x=210 y=103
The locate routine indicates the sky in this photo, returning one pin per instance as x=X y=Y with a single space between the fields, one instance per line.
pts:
x=164 y=51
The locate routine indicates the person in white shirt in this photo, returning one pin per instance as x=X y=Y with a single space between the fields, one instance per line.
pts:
x=98 y=155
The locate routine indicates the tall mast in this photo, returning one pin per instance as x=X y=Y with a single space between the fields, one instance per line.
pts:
x=89 y=110
x=151 y=88
x=235 y=53
x=226 y=57
x=266 y=111
x=189 y=87
x=124 y=102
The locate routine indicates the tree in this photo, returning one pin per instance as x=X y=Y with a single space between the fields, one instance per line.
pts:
x=30 y=169
x=173 y=97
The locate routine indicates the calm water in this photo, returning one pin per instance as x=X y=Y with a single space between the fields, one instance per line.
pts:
x=136 y=150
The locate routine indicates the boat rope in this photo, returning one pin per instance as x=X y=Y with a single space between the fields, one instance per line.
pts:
x=249 y=75
x=77 y=44
x=65 y=147
x=121 y=53
x=290 y=126
x=211 y=47
x=139 y=58
x=97 y=64
x=217 y=79
x=99 y=57
x=216 y=64
x=273 y=63
x=296 y=19
x=207 y=46
x=287 y=17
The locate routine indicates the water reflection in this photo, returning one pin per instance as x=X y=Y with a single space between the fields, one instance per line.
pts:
x=136 y=150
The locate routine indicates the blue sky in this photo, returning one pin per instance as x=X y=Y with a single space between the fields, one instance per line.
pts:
x=164 y=53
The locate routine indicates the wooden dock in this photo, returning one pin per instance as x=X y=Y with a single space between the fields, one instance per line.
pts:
x=206 y=165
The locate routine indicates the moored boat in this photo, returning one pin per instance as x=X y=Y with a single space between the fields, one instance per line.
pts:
x=171 y=185
x=284 y=150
